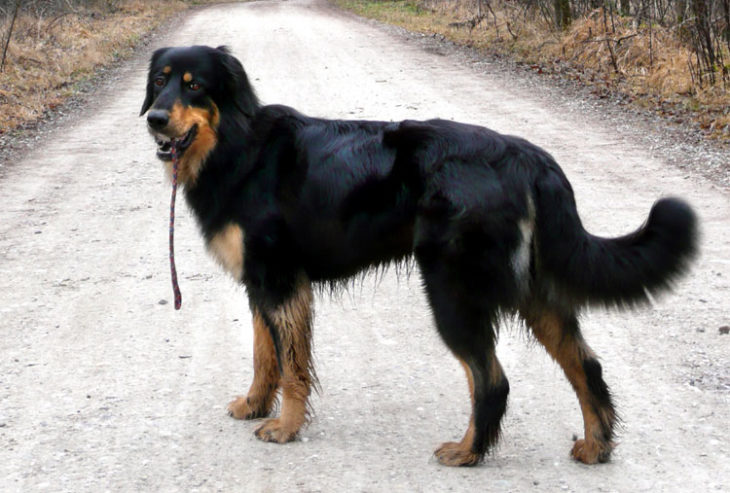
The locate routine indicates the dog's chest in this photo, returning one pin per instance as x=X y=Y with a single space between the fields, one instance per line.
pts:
x=226 y=247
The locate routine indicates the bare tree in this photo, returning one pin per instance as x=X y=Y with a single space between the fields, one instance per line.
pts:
x=10 y=33
x=563 y=15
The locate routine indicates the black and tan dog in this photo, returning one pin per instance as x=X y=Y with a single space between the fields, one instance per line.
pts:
x=285 y=201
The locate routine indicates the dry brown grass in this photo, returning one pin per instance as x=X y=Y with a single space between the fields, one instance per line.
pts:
x=48 y=56
x=648 y=63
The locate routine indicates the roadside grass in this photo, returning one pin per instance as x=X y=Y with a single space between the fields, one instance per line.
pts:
x=49 y=56
x=648 y=64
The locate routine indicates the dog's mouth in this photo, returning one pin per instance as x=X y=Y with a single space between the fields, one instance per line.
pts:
x=165 y=144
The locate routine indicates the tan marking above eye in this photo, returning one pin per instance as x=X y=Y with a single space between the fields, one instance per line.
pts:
x=167 y=69
x=187 y=77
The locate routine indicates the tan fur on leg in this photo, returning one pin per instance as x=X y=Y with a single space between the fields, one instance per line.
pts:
x=460 y=453
x=294 y=326
x=261 y=395
x=571 y=352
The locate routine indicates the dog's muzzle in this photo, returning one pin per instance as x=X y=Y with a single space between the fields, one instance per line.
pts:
x=165 y=143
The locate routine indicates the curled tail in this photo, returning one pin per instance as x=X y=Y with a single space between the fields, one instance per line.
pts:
x=621 y=271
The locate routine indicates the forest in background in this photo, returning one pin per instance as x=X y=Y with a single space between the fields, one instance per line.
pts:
x=671 y=56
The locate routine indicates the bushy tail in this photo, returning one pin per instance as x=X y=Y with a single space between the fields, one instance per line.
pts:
x=620 y=271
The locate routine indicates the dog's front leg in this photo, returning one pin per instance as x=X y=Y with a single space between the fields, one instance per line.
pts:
x=259 y=401
x=290 y=323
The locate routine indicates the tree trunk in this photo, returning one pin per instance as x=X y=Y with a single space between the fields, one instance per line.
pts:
x=562 y=14
x=625 y=7
x=726 y=15
x=704 y=32
x=10 y=33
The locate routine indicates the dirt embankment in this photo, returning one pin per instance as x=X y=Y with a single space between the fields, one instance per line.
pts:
x=56 y=49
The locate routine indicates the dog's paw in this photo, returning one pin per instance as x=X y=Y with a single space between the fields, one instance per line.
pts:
x=591 y=452
x=241 y=409
x=275 y=430
x=455 y=454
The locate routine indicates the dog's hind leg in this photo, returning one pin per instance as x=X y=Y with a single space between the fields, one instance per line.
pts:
x=260 y=398
x=465 y=322
x=561 y=336
x=290 y=323
x=465 y=240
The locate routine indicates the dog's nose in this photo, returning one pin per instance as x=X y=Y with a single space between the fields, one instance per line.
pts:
x=158 y=119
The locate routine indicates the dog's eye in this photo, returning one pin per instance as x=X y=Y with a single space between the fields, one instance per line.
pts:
x=194 y=86
x=159 y=81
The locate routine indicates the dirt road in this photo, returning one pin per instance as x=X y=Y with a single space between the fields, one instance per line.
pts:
x=103 y=386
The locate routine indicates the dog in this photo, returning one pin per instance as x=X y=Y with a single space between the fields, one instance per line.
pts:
x=286 y=202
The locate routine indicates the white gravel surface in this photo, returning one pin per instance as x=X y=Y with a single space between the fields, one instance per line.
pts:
x=104 y=387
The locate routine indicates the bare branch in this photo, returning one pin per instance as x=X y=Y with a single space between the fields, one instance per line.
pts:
x=10 y=33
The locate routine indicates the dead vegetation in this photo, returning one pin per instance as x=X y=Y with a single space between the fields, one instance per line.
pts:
x=672 y=56
x=669 y=55
x=53 y=45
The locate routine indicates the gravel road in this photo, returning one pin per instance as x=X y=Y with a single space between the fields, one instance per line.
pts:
x=104 y=387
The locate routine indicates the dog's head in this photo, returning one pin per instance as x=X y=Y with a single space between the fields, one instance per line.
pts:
x=188 y=91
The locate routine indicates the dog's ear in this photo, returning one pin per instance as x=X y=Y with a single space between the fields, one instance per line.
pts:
x=236 y=85
x=148 y=97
